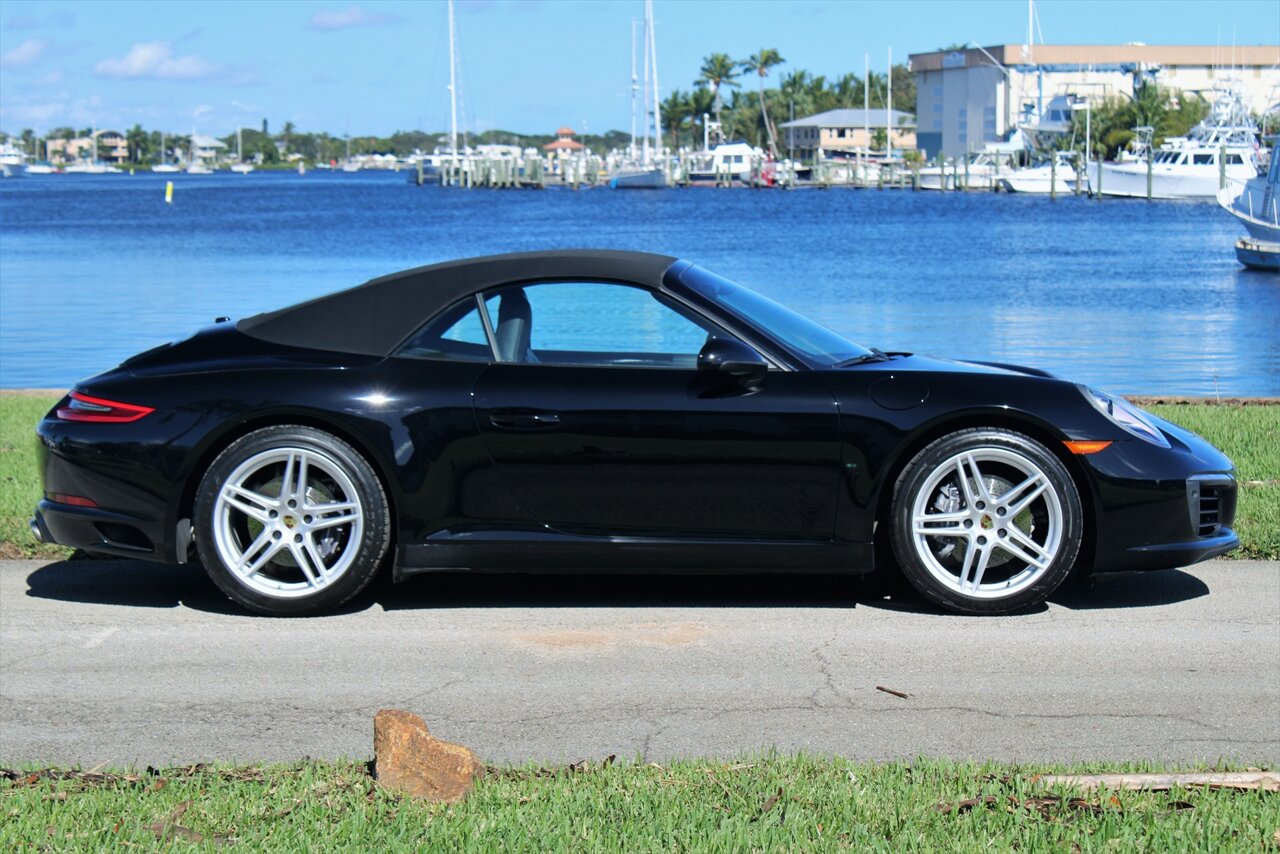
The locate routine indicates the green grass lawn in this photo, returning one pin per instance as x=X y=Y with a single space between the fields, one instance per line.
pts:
x=1246 y=433
x=778 y=804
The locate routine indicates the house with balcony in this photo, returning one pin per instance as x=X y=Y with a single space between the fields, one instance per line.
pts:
x=848 y=132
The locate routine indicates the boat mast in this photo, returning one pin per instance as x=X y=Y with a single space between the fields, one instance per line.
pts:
x=888 y=109
x=453 y=87
x=634 y=89
x=644 y=140
x=866 y=100
x=657 y=110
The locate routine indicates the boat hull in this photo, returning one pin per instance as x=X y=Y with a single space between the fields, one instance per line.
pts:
x=641 y=179
x=1258 y=254
x=1039 y=181
x=1129 y=180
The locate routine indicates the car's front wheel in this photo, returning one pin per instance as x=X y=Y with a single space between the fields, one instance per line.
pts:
x=986 y=521
x=291 y=520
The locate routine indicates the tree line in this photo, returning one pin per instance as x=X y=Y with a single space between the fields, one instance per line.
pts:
x=754 y=117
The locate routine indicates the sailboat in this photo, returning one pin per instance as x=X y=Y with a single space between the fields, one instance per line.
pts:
x=647 y=172
x=240 y=166
x=164 y=165
x=42 y=167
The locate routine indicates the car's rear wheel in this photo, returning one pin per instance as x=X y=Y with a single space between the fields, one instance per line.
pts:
x=986 y=521
x=291 y=520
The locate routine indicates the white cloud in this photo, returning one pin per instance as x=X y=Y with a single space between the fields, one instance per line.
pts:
x=330 y=19
x=156 y=60
x=24 y=54
x=201 y=111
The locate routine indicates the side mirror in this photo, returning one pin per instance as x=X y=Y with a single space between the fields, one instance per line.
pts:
x=731 y=357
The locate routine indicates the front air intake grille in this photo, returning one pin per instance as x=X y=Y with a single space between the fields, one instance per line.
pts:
x=1210 y=515
x=1211 y=504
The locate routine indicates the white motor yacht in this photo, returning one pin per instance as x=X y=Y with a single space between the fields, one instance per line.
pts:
x=13 y=161
x=981 y=172
x=728 y=161
x=1059 y=177
x=1223 y=146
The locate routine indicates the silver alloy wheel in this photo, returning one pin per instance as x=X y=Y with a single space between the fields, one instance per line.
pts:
x=288 y=522
x=983 y=509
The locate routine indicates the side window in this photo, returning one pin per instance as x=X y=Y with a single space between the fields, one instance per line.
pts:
x=458 y=333
x=594 y=323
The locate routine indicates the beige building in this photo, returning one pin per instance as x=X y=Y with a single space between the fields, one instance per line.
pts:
x=968 y=98
x=847 y=131
x=112 y=148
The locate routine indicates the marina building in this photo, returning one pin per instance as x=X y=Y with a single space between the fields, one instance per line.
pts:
x=969 y=98
x=848 y=131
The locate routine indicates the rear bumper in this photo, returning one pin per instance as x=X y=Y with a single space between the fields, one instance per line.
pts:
x=102 y=531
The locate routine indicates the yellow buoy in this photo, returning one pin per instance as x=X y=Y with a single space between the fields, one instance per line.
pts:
x=168 y=192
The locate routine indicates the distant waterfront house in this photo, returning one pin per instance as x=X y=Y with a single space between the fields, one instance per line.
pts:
x=847 y=131
x=968 y=98
x=112 y=148
x=207 y=149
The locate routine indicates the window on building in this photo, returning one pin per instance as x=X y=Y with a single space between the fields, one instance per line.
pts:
x=937 y=124
x=937 y=108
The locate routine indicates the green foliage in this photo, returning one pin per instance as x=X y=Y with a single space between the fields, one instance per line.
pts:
x=19 y=477
x=1112 y=120
x=1246 y=434
x=769 y=803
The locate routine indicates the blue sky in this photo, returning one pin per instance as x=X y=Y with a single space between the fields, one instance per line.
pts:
x=526 y=65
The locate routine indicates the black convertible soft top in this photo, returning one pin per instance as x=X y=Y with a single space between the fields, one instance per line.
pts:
x=371 y=319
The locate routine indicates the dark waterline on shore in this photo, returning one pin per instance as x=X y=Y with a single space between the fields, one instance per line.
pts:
x=1138 y=297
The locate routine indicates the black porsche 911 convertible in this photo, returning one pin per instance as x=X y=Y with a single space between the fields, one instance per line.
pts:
x=608 y=411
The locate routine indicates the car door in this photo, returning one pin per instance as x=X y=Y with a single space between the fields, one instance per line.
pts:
x=600 y=423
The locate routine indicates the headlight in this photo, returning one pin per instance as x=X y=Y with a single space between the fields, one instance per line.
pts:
x=1126 y=415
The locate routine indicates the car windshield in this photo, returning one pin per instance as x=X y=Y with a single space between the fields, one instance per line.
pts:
x=812 y=341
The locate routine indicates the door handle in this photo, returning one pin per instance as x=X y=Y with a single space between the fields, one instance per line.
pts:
x=523 y=419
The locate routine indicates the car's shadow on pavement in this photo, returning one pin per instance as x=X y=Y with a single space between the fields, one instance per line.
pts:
x=141 y=584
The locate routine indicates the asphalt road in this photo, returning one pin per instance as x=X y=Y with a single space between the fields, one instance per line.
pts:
x=132 y=663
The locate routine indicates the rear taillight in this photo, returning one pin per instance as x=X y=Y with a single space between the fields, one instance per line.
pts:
x=82 y=407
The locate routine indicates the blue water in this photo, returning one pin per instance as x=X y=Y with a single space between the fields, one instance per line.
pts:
x=1133 y=296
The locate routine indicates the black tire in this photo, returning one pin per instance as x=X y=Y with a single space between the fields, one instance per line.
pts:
x=1005 y=539
x=291 y=521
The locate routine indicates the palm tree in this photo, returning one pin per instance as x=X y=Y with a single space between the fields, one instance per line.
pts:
x=719 y=70
x=760 y=63
x=675 y=113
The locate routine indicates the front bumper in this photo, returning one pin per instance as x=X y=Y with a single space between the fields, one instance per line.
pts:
x=1161 y=508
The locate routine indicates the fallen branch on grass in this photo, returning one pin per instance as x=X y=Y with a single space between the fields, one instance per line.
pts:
x=1268 y=781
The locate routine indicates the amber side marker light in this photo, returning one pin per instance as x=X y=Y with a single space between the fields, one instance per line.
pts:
x=1086 y=447
x=82 y=407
